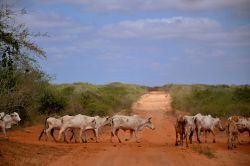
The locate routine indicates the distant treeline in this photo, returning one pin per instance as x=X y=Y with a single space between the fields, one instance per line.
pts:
x=216 y=100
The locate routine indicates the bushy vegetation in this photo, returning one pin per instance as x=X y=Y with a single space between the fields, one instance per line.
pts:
x=21 y=80
x=217 y=100
x=99 y=99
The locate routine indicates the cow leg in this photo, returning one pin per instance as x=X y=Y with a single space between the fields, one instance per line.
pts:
x=72 y=131
x=116 y=133
x=198 y=132
x=47 y=131
x=62 y=130
x=176 y=140
x=234 y=141
x=39 y=138
x=74 y=134
x=205 y=136
x=181 y=138
x=96 y=133
x=213 y=136
x=112 y=133
x=65 y=135
x=4 y=131
x=84 y=138
x=136 y=137
x=229 y=141
x=186 y=135
x=80 y=136
x=52 y=134
x=190 y=137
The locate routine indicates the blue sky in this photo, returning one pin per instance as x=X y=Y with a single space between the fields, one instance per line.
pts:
x=149 y=42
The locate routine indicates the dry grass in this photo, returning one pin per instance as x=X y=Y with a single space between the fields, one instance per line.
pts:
x=208 y=152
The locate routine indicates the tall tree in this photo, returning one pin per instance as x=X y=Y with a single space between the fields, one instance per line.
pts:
x=20 y=76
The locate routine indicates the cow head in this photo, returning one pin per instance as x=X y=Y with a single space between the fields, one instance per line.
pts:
x=242 y=125
x=93 y=123
x=15 y=118
x=149 y=124
x=106 y=121
x=218 y=124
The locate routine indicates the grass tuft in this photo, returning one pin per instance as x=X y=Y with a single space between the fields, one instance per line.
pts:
x=208 y=152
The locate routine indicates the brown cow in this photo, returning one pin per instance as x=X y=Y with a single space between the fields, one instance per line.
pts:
x=233 y=134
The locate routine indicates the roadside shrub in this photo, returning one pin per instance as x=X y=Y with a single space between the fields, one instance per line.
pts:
x=99 y=99
x=216 y=100
x=52 y=102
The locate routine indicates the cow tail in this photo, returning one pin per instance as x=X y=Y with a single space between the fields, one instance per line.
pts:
x=195 y=120
x=46 y=125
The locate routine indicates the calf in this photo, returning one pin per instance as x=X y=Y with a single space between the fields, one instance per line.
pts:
x=207 y=124
x=132 y=123
x=7 y=120
x=77 y=122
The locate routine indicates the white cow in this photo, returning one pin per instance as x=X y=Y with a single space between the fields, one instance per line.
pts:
x=133 y=123
x=54 y=123
x=189 y=127
x=77 y=122
x=207 y=124
x=100 y=122
x=7 y=120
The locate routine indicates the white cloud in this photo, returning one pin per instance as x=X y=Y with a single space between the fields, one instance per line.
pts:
x=183 y=28
x=161 y=28
x=52 y=21
x=156 y=5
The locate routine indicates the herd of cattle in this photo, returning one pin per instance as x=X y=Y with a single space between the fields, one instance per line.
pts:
x=82 y=123
x=185 y=126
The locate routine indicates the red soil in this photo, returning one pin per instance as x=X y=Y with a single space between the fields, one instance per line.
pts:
x=156 y=147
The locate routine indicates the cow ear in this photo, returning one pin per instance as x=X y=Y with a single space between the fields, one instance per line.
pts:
x=149 y=119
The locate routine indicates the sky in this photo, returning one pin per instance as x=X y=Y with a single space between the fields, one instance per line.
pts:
x=147 y=42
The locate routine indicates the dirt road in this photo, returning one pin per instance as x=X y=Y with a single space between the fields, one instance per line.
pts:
x=156 y=147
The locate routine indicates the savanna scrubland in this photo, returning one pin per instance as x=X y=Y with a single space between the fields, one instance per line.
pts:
x=27 y=89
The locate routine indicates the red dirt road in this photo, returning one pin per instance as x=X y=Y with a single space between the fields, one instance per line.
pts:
x=156 y=147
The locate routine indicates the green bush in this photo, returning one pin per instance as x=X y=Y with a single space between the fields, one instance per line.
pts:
x=99 y=99
x=217 y=100
x=52 y=102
